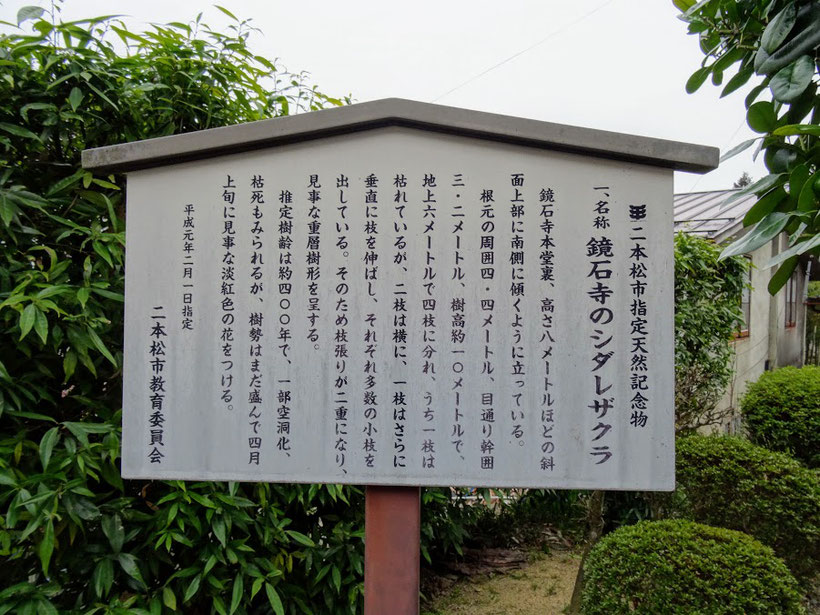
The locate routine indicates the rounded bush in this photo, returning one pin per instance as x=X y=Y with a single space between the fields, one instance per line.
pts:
x=679 y=567
x=732 y=483
x=782 y=412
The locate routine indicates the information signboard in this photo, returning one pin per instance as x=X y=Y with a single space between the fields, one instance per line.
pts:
x=396 y=306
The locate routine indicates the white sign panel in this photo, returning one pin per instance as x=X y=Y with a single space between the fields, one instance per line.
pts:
x=401 y=307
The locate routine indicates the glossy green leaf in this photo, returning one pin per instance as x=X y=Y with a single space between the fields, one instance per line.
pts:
x=803 y=39
x=29 y=12
x=808 y=197
x=781 y=158
x=782 y=275
x=778 y=28
x=737 y=149
x=759 y=187
x=738 y=81
x=797 y=129
x=764 y=206
x=791 y=81
x=697 y=79
x=797 y=179
x=761 y=117
x=763 y=232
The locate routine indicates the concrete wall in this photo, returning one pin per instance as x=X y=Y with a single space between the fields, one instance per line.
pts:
x=791 y=340
x=768 y=314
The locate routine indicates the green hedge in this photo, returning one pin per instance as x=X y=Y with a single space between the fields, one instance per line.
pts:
x=782 y=412
x=732 y=483
x=684 y=568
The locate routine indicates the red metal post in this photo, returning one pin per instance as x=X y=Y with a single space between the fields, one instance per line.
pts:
x=392 y=521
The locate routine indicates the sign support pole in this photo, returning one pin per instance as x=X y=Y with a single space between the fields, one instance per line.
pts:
x=391 y=550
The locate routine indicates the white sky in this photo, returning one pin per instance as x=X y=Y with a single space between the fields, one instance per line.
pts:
x=616 y=65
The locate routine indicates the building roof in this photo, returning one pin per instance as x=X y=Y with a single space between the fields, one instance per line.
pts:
x=399 y=112
x=703 y=213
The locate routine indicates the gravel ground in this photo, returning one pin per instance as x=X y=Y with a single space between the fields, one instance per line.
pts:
x=542 y=587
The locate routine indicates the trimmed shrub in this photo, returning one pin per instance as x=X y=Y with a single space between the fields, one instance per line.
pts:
x=685 y=568
x=732 y=483
x=782 y=412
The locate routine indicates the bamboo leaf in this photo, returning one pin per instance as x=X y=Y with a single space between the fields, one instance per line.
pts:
x=193 y=588
x=18 y=131
x=129 y=565
x=46 y=547
x=113 y=530
x=41 y=325
x=75 y=98
x=274 y=600
x=300 y=538
x=236 y=594
x=169 y=599
x=27 y=319
x=47 y=443
x=103 y=577
x=98 y=343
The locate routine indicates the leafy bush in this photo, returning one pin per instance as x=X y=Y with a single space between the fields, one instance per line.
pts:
x=773 y=44
x=707 y=313
x=73 y=536
x=732 y=483
x=452 y=519
x=782 y=412
x=684 y=568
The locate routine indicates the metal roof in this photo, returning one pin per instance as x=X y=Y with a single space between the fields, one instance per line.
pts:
x=398 y=112
x=703 y=213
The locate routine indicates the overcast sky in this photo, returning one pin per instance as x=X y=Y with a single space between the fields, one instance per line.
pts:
x=610 y=64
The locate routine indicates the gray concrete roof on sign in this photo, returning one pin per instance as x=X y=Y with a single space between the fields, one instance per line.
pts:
x=399 y=112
